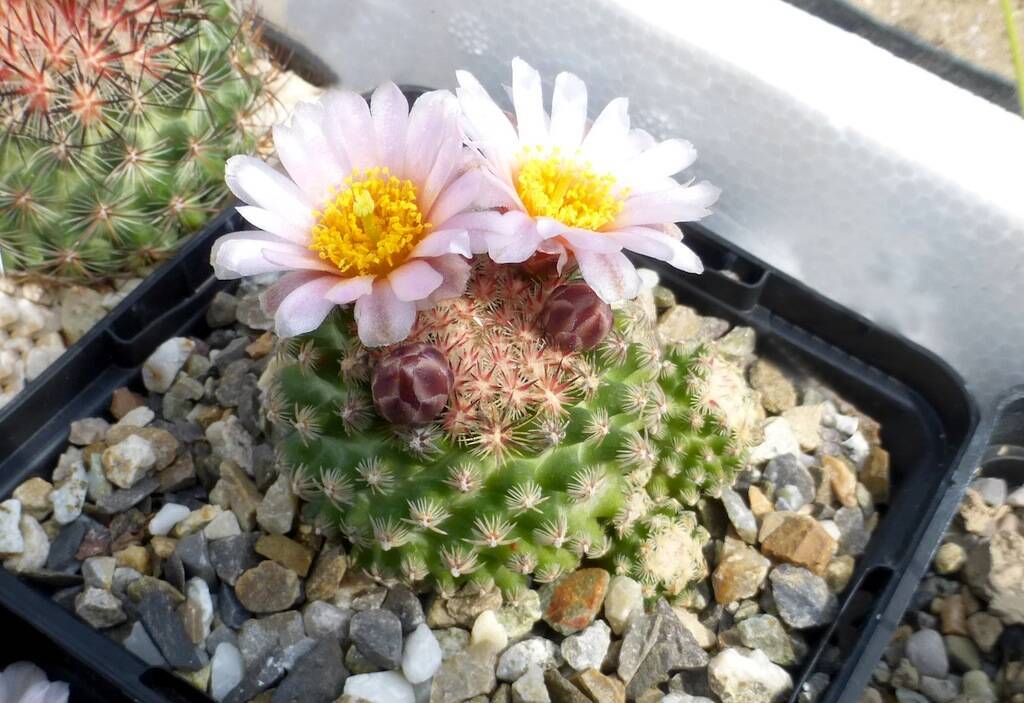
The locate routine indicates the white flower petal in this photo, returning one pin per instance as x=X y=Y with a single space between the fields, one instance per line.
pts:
x=515 y=240
x=568 y=112
x=457 y=197
x=660 y=161
x=348 y=123
x=305 y=307
x=433 y=122
x=528 y=99
x=607 y=140
x=679 y=204
x=258 y=184
x=480 y=227
x=414 y=280
x=486 y=125
x=585 y=240
x=348 y=289
x=303 y=259
x=612 y=276
x=381 y=318
x=390 y=112
x=298 y=232
x=442 y=242
x=244 y=254
x=312 y=162
x=657 y=244
x=446 y=165
x=271 y=298
x=456 y=272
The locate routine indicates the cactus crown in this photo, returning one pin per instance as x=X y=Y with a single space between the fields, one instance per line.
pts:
x=115 y=122
x=542 y=458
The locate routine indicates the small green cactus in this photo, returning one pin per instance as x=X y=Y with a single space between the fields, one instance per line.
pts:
x=115 y=123
x=545 y=455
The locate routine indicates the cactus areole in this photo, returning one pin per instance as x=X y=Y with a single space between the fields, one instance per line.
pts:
x=488 y=448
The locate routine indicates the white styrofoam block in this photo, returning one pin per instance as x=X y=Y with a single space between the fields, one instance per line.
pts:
x=870 y=179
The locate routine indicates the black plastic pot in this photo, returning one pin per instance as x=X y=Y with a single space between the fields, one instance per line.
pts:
x=926 y=414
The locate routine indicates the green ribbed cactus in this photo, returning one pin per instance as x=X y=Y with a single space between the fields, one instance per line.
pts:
x=115 y=124
x=542 y=457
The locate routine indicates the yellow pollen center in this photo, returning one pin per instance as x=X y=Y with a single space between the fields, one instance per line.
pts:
x=566 y=190
x=372 y=224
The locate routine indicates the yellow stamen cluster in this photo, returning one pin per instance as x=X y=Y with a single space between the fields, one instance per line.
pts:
x=371 y=226
x=551 y=185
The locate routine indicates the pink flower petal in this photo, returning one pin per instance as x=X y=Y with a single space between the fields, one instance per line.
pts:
x=585 y=240
x=414 y=280
x=383 y=319
x=457 y=197
x=303 y=259
x=349 y=289
x=485 y=124
x=274 y=223
x=258 y=184
x=612 y=276
x=390 y=112
x=528 y=99
x=305 y=307
x=606 y=141
x=433 y=121
x=659 y=245
x=480 y=226
x=548 y=227
x=456 y=272
x=568 y=111
x=272 y=297
x=441 y=242
x=515 y=241
x=446 y=165
x=245 y=254
x=311 y=161
x=679 y=204
x=348 y=123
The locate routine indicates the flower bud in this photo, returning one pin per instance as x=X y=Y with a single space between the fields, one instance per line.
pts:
x=574 y=318
x=411 y=384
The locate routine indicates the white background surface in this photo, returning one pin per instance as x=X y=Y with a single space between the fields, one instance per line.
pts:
x=871 y=180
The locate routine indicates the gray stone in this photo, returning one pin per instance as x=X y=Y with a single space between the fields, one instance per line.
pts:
x=194 y=553
x=463 y=676
x=378 y=635
x=854 y=535
x=406 y=605
x=100 y=608
x=258 y=639
x=653 y=647
x=587 y=649
x=963 y=654
x=789 y=498
x=803 y=599
x=65 y=546
x=156 y=610
x=530 y=687
x=927 y=653
x=122 y=500
x=740 y=516
x=939 y=690
x=141 y=645
x=230 y=610
x=766 y=633
x=787 y=470
x=324 y=620
x=276 y=511
x=257 y=680
x=221 y=312
x=536 y=651
x=230 y=441
x=233 y=556
x=250 y=313
x=317 y=677
x=221 y=634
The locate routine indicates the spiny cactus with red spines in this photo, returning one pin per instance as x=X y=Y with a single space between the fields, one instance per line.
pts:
x=546 y=454
x=116 y=118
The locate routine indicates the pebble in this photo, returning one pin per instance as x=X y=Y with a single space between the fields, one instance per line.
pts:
x=34 y=496
x=530 y=687
x=100 y=608
x=11 y=541
x=226 y=670
x=167 y=517
x=199 y=605
x=463 y=676
x=157 y=613
x=163 y=365
x=926 y=652
x=788 y=470
x=777 y=392
x=571 y=602
x=194 y=553
x=68 y=498
x=383 y=687
x=128 y=461
x=789 y=498
x=739 y=573
x=938 y=690
x=600 y=688
x=267 y=588
x=992 y=490
x=802 y=598
x=949 y=558
x=655 y=645
x=324 y=620
x=740 y=515
x=224 y=525
x=35 y=547
x=874 y=475
x=624 y=597
x=488 y=633
x=230 y=441
x=229 y=609
x=747 y=677
x=561 y=690
x=421 y=657
x=978 y=687
x=587 y=649
x=318 y=676
x=800 y=540
x=1016 y=498
x=328 y=571
x=136 y=417
x=854 y=535
x=260 y=638
x=406 y=605
x=286 y=552
x=985 y=629
x=98 y=572
x=232 y=556
x=536 y=651
x=779 y=440
x=139 y=643
x=378 y=635
x=454 y=640
x=960 y=653
x=276 y=511
x=765 y=632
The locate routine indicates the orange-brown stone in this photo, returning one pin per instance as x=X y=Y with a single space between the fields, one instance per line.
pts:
x=801 y=540
x=571 y=603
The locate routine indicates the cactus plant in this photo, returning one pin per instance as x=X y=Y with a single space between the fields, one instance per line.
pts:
x=115 y=123
x=553 y=446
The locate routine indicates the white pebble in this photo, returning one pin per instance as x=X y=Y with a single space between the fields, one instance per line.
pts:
x=488 y=632
x=587 y=649
x=11 y=541
x=857 y=448
x=198 y=594
x=421 y=657
x=168 y=516
x=136 y=417
x=381 y=687
x=161 y=368
x=625 y=596
x=37 y=547
x=226 y=670
x=98 y=572
x=69 y=498
x=847 y=424
x=224 y=525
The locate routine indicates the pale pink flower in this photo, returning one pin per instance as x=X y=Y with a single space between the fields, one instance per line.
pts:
x=569 y=189
x=372 y=211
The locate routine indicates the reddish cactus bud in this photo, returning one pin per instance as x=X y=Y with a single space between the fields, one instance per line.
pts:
x=411 y=384
x=574 y=318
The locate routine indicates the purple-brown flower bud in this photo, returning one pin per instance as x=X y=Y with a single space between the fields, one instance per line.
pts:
x=411 y=384
x=574 y=318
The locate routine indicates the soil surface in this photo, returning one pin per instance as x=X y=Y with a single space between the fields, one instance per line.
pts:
x=971 y=29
